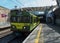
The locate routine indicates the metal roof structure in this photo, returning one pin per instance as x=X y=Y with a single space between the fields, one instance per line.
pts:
x=38 y=8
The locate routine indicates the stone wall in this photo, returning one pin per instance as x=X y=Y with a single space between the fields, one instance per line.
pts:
x=4 y=14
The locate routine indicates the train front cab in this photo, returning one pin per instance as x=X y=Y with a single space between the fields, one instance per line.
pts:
x=24 y=26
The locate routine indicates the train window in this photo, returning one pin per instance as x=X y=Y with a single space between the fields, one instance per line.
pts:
x=14 y=12
x=31 y=19
x=13 y=19
x=19 y=19
x=19 y=12
x=34 y=19
x=26 y=19
x=23 y=19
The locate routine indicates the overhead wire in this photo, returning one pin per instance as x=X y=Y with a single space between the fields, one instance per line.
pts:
x=19 y=2
x=13 y=2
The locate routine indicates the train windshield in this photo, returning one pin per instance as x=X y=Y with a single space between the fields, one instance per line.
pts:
x=21 y=19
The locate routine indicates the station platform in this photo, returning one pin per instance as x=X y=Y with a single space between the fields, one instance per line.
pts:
x=44 y=33
x=4 y=26
x=5 y=32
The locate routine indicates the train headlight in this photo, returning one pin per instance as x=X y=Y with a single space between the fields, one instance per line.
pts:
x=24 y=27
x=13 y=26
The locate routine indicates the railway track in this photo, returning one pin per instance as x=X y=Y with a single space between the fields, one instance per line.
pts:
x=5 y=32
x=19 y=39
x=11 y=38
x=6 y=35
x=7 y=38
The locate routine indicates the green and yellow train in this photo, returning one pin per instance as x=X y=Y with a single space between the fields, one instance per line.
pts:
x=23 y=21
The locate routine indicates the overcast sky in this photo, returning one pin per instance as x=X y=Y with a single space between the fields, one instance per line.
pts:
x=26 y=3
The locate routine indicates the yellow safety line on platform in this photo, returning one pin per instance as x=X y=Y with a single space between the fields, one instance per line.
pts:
x=42 y=39
x=38 y=35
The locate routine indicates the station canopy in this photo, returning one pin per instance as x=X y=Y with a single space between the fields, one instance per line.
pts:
x=37 y=5
x=38 y=8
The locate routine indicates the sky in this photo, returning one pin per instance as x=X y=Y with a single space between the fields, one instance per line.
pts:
x=26 y=3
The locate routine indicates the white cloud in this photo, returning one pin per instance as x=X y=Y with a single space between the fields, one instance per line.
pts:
x=38 y=3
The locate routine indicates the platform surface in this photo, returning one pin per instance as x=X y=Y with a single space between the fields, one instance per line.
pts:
x=44 y=33
x=3 y=25
x=5 y=32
